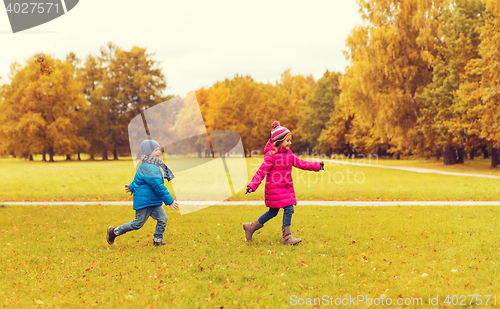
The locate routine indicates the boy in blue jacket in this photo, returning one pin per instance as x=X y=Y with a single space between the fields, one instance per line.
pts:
x=149 y=193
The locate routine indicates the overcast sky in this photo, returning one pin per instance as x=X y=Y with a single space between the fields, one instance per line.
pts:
x=198 y=42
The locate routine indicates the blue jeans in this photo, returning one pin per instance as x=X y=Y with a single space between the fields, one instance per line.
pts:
x=141 y=216
x=272 y=212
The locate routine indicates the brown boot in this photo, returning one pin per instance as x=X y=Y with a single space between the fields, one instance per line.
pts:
x=110 y=236
x=250 y=228
x=288 y=239
x=158 y=243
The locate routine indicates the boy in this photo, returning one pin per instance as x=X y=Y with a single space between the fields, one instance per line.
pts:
x=149 y=193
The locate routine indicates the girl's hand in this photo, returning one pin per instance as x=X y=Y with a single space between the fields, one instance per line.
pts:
x=127 y=189
x=322 y=166
x=249 y=190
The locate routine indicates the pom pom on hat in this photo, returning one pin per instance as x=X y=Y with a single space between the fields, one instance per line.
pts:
x=278 y=133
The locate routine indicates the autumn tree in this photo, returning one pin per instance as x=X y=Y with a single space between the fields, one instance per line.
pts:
x=320 y=107
x=119 y=85
x=3 y=149
x=248 y=108
x=299 y=89
x=269 y=103
x=443 y=119
x=97 y=122
x=43 y=107
x=232 y=105
x=480 y=92
x=389 y=65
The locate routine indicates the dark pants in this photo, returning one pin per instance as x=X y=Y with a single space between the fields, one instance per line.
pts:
x=272 y=212
x=141 y=216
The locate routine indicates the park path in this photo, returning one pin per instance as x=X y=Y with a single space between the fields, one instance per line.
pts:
x=409 y=169
x=261 y=203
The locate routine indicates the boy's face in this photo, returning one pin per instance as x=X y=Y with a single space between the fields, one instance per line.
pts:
x=287 y=142
x=156 y=153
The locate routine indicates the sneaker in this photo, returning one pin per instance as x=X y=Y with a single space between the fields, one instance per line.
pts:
x=111 y=235
x=159 y=243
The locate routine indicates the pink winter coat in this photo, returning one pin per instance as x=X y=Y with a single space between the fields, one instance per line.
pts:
x=278 y=169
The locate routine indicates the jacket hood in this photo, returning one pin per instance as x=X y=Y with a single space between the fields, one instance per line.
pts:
x=269 y=147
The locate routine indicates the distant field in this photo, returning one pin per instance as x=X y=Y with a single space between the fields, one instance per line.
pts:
x=476 y=166
x=57 y=256
x=103 y=180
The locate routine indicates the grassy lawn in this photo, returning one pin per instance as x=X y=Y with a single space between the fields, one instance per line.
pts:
x=55 y=256
x=64 y=180
x=476 y=166
x=99 y=180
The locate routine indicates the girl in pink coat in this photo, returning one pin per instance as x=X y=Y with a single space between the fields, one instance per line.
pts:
x=277 y=168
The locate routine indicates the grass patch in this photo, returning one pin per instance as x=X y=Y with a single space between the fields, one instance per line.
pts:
x=101 y=180
x=477 y=166
x=64 y=181
x=58 y=256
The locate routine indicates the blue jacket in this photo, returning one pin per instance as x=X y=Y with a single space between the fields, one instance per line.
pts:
x=148 y=187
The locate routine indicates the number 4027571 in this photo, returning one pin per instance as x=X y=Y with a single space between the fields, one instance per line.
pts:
x=32 y=8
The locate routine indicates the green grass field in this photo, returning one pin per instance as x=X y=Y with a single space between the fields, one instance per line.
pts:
x=476 y=166
x=57 y=256
x=98 y=180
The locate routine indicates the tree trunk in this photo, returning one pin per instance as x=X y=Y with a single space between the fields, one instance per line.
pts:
x=449 y=156
x=51 y=155
x=105 y=155
x=115 y=154
x=31 y=158
x=494 y=157
x=461 y=155
x=13 y=155
x=472 y=154
x=79 y=158
x=44 y=159
x=438 y=154
x=398 y=156
x=68 y=157
x=485 y=152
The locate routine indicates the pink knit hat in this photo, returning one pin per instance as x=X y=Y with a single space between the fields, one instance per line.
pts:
x=278 y=133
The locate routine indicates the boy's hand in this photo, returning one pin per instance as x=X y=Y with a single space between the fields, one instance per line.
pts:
x=174 y=205
x=249 y=190
x=127 y=189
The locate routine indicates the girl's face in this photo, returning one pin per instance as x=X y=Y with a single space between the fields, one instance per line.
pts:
x=287 y=142
x=156 y=153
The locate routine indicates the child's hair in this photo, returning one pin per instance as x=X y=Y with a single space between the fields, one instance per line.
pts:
x=276 y=146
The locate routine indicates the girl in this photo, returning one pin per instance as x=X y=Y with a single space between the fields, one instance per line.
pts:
x=279 y=193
